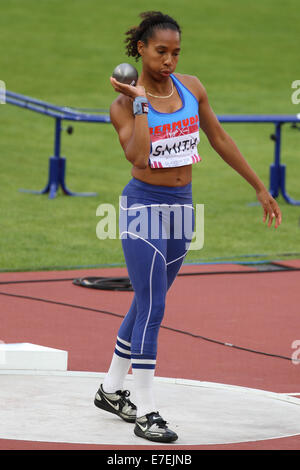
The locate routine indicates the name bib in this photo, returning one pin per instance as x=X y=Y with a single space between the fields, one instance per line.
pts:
x=175 y=144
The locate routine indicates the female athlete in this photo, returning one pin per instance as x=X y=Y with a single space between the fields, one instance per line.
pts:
x=158 y=122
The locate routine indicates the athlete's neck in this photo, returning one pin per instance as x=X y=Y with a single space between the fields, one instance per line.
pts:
x=153 y=85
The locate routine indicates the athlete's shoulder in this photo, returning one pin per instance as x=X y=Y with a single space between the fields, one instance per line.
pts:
x=120 y=109
x=121 y=103
x=192 y=83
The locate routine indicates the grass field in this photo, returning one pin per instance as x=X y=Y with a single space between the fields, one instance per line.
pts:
x=63 y=51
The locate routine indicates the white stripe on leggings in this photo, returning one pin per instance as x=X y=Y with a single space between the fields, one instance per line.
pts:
x=124 y=351
x=123 y=341
x=173 y=261
x=155 y=205
x=150 y=306
x=154 y=247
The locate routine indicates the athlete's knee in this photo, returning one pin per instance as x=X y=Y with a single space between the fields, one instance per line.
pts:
x=156 y=314
x=151 y=308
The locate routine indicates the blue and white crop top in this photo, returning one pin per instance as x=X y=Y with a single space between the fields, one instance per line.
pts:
x=175 y=136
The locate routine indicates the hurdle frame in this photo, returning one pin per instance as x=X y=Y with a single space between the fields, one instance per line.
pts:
x=57 y=163
x=277 y=183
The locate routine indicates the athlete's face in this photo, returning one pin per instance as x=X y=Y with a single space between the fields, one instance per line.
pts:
x=160 y=54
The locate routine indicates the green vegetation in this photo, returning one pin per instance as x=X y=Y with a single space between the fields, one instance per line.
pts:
x=245 y=53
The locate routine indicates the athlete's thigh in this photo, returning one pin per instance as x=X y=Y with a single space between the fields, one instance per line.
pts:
x=181 y=233
x=146 y=264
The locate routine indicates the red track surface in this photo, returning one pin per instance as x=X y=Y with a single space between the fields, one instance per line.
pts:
x=257 y=311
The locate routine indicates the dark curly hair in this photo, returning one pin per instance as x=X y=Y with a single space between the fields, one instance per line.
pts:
x=152 y=20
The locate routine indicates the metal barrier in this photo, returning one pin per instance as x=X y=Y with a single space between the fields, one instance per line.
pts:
x=277 y=169
x=57 y=164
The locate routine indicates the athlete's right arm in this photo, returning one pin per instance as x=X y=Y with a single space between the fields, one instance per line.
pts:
x=133 y=131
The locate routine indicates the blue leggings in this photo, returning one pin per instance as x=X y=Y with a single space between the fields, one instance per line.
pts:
x=156 y=226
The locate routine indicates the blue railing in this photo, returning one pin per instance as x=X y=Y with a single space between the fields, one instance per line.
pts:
x=277 y=169
x=57 y=163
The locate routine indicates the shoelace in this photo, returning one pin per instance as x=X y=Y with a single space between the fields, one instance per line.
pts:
x=161 y=423
x=124 y=398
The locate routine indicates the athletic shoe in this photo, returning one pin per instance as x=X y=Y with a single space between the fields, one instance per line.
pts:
x=117 y=403
x=153 y=427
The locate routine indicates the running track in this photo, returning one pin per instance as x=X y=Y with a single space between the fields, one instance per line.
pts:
x=255 y=313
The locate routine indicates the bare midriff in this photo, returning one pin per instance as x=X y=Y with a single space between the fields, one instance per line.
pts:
x=179 y=176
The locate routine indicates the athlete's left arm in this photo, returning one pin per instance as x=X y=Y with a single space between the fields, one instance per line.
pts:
x=223 y=144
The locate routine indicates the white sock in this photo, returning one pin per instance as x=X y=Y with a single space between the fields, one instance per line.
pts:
x=118 y=369
x=143 y=388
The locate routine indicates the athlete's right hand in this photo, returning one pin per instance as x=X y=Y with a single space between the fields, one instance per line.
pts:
x=128 y=90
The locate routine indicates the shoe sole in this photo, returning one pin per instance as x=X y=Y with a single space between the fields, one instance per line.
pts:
x=105 y=406
x=138 y=432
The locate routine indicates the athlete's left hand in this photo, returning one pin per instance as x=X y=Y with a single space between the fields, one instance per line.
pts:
x=270 y=207
x=128 y=90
